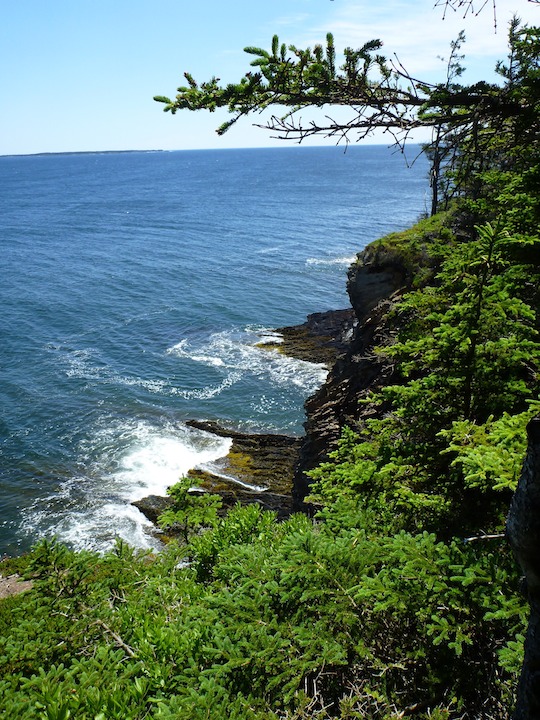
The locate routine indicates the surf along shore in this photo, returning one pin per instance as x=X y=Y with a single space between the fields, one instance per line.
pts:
x=260 y=468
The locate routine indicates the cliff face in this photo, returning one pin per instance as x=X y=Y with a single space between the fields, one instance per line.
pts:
x=372 y=282
x=523 y=530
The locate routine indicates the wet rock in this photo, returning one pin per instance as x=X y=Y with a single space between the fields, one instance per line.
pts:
x=152 y=506
x=523 y=521
x=257 y=460
x=321 y=339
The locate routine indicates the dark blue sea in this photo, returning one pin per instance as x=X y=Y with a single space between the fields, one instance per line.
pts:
x=134 y=289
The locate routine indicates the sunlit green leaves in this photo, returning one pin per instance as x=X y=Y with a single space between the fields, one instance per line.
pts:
x=191 y=509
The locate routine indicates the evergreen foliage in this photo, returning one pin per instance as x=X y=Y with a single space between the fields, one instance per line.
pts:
x=291 y=616
x=190 y=511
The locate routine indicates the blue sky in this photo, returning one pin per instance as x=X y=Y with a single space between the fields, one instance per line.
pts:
x=81 y=74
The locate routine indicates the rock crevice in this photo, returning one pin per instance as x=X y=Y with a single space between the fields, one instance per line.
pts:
x=523 y=531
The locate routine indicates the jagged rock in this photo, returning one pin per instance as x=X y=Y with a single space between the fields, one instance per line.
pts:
x=321 y=339
x=152 y=506
x=336 y=403
x=372 y=281
x=375 y=276
x=523 y=530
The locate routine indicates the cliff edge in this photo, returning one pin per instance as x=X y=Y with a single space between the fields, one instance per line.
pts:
x=374 y=281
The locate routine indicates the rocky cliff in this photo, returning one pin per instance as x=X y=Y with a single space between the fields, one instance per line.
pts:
x=373 y=282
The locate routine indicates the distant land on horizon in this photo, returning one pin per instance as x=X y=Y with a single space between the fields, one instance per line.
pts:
x=80 y=152
x=114 y=152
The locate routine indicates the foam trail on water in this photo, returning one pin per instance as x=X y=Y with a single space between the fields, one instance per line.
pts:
x=239 y=353
x=123 y=462
x=209 y=392
x=331 y=261
x=86 y=365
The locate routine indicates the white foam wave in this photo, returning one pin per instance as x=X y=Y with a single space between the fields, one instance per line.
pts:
x=95 y=529
x=331 y=261
x=86 y=365
x=123 y=462
x=239 y=353
x=157 y=457
x=208 y=392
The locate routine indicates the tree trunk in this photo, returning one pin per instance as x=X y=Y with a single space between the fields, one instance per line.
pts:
x=523 y=529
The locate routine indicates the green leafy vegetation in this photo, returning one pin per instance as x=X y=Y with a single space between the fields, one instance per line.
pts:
x=400 y=597
x=269 y=621
x=190 y=510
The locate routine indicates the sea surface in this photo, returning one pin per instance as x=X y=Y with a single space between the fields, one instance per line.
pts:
x=134 y=288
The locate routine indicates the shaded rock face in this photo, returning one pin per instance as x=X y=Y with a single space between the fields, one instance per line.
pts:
x=374 y=277
x=523 y=522
x=152 y=506
x=372 y=282
x=523 y=530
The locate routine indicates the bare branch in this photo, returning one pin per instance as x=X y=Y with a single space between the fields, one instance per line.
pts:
x=470 y=7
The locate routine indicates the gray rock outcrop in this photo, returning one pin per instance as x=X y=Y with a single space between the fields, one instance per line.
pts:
x=373 y=281
x=523 y=530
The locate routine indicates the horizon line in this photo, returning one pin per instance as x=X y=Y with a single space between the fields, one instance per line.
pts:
x=162 y=150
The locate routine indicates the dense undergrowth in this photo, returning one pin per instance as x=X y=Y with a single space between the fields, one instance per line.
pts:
x=299 y=619
x=400 y=598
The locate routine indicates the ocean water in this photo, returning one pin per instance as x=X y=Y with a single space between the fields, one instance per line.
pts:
x=134 y=289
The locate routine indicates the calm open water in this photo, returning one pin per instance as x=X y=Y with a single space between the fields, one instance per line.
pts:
x=134 y=288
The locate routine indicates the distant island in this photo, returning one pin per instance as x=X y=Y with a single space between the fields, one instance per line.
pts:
x=81 y=152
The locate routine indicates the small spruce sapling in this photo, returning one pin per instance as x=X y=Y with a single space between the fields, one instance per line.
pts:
x=191 y=509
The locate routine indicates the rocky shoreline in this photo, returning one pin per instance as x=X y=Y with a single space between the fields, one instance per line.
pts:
x=260 y=468
x=271 y=469
x=321 y=339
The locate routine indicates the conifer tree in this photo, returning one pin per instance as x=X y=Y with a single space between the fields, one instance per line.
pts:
x=472 y=124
